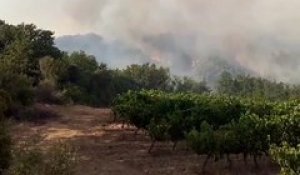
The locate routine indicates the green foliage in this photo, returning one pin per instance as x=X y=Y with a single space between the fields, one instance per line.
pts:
x=46 y=92
x=34 y=114
x=74 y=94
x=53 y=70
x=202 y=142
x=83 y=61
x=189 y=85
x=23 y=45
x=84 y=81
x=212 y=124
x=243 y=121
x=149 y=76
x=144 y=105
x=28 y=159
x=5 y=102
x=288 y=158
x=5 y=140
x=28 y=56
x=158 y=130
x=247 y=86
x=175 y=114
x=5 y=147
x=61 y=160
x=20 y=89
x=252 y=135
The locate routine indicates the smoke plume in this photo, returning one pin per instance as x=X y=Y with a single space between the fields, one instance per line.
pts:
x=261 y=36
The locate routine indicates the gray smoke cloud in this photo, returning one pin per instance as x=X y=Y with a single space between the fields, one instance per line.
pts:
x=194 y=36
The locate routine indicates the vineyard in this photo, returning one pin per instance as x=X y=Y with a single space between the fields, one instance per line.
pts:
x=217 y=126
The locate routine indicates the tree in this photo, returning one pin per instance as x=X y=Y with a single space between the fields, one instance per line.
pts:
x=247 y=86
x=149 y=76
x=5 y=140
x=23 y=45
x=83 y=61
x=189 y=85
x=53 y=69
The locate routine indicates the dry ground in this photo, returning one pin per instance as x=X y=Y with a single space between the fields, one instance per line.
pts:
x=105 y=148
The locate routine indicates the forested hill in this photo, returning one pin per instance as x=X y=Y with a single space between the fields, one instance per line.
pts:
x=114 y=53
x=117 y=54
x=42 y=72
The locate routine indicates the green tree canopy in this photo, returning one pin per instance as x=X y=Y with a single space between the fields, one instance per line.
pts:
x=149 y=76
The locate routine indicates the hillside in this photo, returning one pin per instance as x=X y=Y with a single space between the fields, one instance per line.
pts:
x=119 y=55
x=113 y=53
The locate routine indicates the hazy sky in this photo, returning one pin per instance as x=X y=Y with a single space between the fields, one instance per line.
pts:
x=80 y=16
x=262 y=35
x=47 y=14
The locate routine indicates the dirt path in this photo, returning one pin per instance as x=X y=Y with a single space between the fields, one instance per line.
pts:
x=105 y=148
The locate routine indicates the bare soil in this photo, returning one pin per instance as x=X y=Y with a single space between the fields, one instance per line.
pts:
x=106 y=148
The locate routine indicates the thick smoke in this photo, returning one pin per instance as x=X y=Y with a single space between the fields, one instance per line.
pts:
x=261 y=36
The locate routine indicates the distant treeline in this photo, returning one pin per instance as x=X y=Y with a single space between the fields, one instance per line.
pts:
x=33 y=69
x=256 y=87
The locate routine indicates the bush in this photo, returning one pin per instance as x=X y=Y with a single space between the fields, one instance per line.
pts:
x=61 y=160
x=34 y=113
x=29 y=159
x=5 y=141
x=5 y=101
x=288 y=158
x=74 y=94
x=5 y=147
x=20 y=89
x=46 y=92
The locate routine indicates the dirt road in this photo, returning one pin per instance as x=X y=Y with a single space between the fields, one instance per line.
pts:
x=105 y=148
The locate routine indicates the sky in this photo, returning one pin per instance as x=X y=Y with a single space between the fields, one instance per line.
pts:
x=261 y=35
x=79 y=16
x=44 y=13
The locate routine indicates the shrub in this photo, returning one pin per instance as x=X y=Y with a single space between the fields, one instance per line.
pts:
x=46 y=92
x=34 y=113
x=5 y=101
x=61 y=160
x=29 y=159
x=5 y=147
x=288 y=158
x=5 y=141
x=74 y=94
x=20 y=89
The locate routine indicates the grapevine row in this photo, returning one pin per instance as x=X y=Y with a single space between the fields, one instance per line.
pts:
x=213 y=125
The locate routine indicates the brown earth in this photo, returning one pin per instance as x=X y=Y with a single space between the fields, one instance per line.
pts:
x=106 y=148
